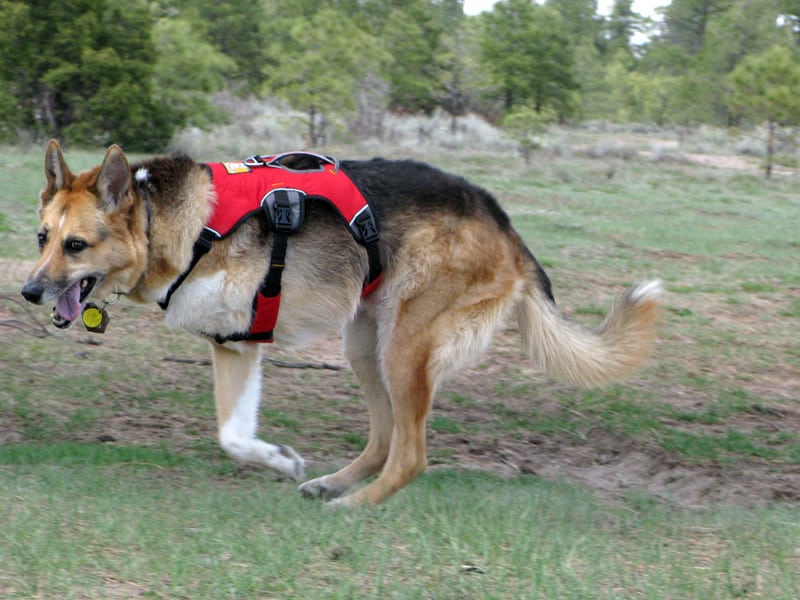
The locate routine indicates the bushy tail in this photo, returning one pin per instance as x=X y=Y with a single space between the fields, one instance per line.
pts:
x=578 y=356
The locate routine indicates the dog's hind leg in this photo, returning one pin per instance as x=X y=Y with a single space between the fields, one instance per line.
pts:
x=441 y=316
x=360 y=346
x=411 y=385
x=237 y=391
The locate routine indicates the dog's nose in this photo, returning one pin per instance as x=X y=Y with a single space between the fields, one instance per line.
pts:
x=33 y=292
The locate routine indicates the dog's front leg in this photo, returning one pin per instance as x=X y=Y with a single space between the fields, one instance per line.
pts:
x=237 y=391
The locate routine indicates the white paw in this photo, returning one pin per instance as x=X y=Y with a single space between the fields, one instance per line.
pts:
x=290 y=463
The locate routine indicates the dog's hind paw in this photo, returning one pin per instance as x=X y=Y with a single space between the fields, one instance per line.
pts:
x=319 y=488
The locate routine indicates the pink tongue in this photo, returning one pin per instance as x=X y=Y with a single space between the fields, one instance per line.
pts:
x=68 y=304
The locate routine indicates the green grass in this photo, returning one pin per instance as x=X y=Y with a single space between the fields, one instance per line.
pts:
x=103 y=529
x=97 y=454
x=161 y=513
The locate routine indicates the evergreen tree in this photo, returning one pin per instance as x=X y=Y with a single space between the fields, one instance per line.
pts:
x=411 y=36
x=767 y=87
x=189 y=69
x=527 y=54
x=82 y=69
x=235 y=28
x=323 y=58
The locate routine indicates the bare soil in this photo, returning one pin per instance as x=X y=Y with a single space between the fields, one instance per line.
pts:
x=611 y=465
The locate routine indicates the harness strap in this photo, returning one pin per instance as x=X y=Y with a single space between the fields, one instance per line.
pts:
x=201 y=247
x=264 y=320
x=267 y=300
x=368 y=232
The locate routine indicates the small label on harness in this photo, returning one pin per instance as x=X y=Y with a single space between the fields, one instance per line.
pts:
x=236 y=167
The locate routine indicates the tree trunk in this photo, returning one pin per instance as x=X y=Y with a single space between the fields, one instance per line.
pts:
x=312 y=129
x=47 y=111
x=770 y=149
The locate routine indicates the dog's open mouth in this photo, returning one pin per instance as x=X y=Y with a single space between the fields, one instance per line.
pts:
x=68 y=304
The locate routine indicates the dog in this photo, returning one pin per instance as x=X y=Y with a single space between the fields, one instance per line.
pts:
x=453 y=270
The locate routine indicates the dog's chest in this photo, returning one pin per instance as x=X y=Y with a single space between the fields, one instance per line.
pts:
x=210 y=304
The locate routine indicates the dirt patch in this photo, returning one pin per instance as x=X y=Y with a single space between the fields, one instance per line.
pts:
x=733 y=162
x=609 y=464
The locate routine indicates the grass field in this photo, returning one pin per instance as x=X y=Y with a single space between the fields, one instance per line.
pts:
x=682 y=483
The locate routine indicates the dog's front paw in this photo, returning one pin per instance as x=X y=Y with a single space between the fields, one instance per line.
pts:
x=292 y=464
x=319 y=488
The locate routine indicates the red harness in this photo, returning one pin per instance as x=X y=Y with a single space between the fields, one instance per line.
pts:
x=262 y=184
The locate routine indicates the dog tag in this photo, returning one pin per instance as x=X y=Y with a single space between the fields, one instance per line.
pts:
x=94 y=319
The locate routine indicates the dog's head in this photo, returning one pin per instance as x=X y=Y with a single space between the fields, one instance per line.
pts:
x=91 y=236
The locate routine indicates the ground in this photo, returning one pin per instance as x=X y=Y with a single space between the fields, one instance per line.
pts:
x=609 y=464
x=478 y=421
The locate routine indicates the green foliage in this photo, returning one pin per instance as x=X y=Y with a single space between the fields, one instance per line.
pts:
x=104 y=71
x=526 y=52
x=133 y=72
x=83 y=70
x=767 y=86
x=701 y=43
x=188 y=70
x=527 y=126
x=636 y=96
x=686 y=22
x=412 y=35
x=329 y=56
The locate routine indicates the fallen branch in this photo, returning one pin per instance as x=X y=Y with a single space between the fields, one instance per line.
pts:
x=32 y=327
x=304 y=365
x=278 y=363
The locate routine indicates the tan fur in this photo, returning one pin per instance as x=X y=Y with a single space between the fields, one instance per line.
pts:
x=71 y=206
x=449 y=282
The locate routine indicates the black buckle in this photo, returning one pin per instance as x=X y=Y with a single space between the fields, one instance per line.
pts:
x=205 y=240
x=367 y=227
x=283 y=214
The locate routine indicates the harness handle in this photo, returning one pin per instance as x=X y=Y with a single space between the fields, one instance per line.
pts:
x=275 y=161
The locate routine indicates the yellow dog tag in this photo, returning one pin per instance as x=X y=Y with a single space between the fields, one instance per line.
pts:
x=94 y=319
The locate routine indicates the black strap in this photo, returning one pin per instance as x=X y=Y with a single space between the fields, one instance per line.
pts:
x=200 y=249
x=282 y=226
x=368 y=233
x=271 y=286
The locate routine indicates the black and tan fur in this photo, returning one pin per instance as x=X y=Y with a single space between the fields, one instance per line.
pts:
x=454 y=271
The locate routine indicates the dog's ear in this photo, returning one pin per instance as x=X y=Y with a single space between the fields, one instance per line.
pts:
x=56 y=170
x=114 y=179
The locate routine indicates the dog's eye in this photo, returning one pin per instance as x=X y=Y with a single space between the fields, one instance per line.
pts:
x=42 y=238
x=73 y=246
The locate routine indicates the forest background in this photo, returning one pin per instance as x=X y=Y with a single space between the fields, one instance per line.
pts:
x=137 y=72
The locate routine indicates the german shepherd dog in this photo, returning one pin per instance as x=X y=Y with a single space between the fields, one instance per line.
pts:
x=454 y=270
